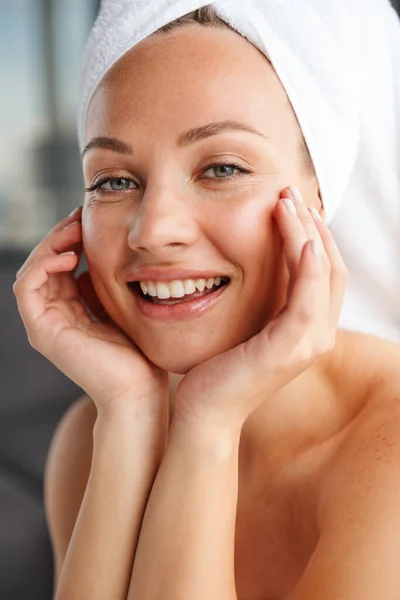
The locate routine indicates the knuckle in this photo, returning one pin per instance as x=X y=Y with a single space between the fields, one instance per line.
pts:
x=312 y=351
x=324 y=346
x=306 y=354
x=34 y=337
x=33 y=341
x=304 y=314
x=16 y=287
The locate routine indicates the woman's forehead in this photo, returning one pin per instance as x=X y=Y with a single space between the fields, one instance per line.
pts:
x=190 y=46
x=208 y=72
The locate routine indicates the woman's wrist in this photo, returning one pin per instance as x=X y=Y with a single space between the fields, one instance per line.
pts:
x=147 y=421
x=132 y=405
x=209 y=436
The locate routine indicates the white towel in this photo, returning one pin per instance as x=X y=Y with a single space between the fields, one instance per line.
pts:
x=339 y=63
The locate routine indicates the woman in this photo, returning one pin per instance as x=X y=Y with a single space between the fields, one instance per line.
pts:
x=270 y=470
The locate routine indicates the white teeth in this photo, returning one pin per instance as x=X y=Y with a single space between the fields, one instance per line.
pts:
x=210 y=283
x=163 y=291
x=178 y=288
x=152 y=290
x=200 y=284
x=190 y=288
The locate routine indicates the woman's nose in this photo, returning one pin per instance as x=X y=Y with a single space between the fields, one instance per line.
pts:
x=163 y=221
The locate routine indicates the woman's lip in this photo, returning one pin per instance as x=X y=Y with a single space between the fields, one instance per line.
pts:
x=178 y=312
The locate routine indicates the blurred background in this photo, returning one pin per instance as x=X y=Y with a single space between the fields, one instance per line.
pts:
x=41 y=43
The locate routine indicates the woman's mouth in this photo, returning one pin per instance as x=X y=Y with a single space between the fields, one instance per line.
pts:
x=179 y=299
x=175 y=292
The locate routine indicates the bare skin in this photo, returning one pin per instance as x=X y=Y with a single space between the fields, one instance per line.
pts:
x=280 y=501
x=302 y=424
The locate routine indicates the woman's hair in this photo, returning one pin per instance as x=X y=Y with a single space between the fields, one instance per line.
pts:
x=207 y=17
x=201 y=16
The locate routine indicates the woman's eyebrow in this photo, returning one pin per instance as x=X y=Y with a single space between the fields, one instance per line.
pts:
x=109 y=143
x=199 y=133
x=190 y=137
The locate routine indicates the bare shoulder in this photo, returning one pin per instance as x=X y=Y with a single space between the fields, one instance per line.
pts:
x=358 y=502
x=368 y=456
x=67 y=472
x=372 y=360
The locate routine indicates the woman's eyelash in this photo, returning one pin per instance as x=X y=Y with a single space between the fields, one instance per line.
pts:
x=104 y=180
x=229 y=165
x=98 y=185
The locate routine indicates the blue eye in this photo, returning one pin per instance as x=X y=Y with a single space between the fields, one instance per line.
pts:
x=113 y=184
x=110 y=185
x=225 y=170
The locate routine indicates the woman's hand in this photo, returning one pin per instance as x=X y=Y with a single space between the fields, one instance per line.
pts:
x=57 y=310
x=229 y=387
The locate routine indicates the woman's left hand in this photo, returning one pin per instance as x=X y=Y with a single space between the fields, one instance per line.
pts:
x=229 y=387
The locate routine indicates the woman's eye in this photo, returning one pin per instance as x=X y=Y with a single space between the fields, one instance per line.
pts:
x=224 y=171
x=113 y=184
x=118 y=184
x=123 y=184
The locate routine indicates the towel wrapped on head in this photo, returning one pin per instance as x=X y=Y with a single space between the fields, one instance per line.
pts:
x=339 y=63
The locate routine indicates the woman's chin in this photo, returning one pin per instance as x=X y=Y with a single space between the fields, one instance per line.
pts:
x=179 y=365
x=179 y=362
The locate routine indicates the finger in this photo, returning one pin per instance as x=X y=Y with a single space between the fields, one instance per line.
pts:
x=339 y=275
x=307 y=219
x=75 y=215
x=27 y=289
x=292 y=231
x=89 y=296
x=58 y=241
x=308 y=305
x=303 y=213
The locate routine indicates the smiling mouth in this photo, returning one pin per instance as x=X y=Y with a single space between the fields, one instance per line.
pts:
x=136 y=289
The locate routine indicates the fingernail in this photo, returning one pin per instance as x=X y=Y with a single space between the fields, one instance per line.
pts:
x=74 y=211
x=315 y=247
x=296 y=194
x=315 y=213
x=290 y=207
x=66 y=253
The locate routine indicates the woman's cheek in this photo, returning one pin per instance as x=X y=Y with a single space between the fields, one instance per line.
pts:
x=249 y=223
x=99 y=244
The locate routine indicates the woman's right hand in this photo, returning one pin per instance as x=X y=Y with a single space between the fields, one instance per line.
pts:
x=95 y=354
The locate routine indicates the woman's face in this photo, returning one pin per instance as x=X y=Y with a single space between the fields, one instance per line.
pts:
x=171 y=213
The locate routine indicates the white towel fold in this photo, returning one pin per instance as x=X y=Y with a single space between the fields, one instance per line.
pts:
x=339 y=63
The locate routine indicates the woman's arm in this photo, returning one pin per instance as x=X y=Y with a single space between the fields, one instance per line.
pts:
x=64 y=322
x=186 y=546
x=127 y=451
